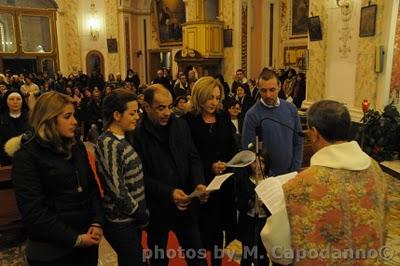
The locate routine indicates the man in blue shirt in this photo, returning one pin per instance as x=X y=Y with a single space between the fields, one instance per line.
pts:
x=279 y=127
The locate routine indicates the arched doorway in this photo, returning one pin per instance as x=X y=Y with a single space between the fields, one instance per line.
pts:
x=94 y=62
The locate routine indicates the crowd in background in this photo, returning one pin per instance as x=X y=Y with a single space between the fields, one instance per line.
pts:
x=88 y=92
x=214 y=112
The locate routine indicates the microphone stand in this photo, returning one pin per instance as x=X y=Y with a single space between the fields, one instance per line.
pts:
x=259 y=176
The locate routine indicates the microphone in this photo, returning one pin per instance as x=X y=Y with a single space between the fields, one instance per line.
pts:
x=258 y=128
x=258 y=139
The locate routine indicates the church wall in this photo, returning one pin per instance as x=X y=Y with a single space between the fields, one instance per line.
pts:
x=135 y=39
x=68 y=36
x=285 y=39
x=229 y=13
x=191 y=10
x=87 y=44
x=342 y=65
x=113 y=62
x=317 y=59
x=329 y=74
x=230 y=53
x=74 y=37
x=258 y=38
x=367 y=79
x=154 y=37
x=134 y=25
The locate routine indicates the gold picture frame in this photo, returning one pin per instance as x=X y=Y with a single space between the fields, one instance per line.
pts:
x=295 y=56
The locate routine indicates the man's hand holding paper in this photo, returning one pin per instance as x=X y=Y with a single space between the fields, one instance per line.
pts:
x=203 y=194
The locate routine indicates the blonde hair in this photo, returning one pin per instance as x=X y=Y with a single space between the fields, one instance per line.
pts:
x=202 y=90
x=43 y=119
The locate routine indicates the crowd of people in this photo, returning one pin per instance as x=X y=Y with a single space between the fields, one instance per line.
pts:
x=159 y=144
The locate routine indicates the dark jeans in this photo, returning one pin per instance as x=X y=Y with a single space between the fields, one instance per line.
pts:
x=252 y=251
x=78 y=257
x=186 y=230
x=125 y=239
x=211 y=232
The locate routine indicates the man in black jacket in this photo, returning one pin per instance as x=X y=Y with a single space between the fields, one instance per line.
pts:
x=172 y=170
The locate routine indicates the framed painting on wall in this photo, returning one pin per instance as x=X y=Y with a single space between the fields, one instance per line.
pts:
x=367 y=21
x=170 y=15
x=295 y=56
x=314 y=28
x=299 y=18
x=112 y=45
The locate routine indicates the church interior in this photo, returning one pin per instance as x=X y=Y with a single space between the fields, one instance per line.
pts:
x=347 y=50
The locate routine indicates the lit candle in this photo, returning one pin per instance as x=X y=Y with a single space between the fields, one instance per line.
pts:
x=365 y=105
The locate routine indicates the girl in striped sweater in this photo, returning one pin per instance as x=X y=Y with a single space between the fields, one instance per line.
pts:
x=121 y=174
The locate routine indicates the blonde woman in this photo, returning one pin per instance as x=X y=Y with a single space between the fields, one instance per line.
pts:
x=55 y=188
x=213 y=137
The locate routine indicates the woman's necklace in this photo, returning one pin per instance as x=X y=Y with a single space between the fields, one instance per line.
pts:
x=210 y=120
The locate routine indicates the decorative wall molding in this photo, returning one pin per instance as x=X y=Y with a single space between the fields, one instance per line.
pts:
x=69 y=36
x=316 y=73
x=155 y=39
x=346 y=32
x=113 y=63
x=244 y=37
x=395 y=79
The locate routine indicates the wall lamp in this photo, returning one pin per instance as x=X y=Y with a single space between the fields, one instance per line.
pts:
x=93 y=22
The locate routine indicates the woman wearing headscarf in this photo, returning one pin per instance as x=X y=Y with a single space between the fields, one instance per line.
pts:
x=13 y=121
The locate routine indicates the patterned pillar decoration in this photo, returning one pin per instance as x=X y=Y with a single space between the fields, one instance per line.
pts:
x=127 y=43
x=395 y=82
x=346 y=31
x=244 y=38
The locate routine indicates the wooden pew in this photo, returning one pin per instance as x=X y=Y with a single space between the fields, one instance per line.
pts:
x=10 y=219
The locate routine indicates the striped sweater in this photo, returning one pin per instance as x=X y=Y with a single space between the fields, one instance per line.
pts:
x=121 y=174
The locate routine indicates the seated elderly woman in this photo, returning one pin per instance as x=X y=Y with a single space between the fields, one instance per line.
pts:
x=13 y=120
x=335 y=209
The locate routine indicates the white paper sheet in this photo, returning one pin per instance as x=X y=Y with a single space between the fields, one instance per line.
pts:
x=215 y=184
x=271 y=193
x=195 y=193
x=242 y=159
